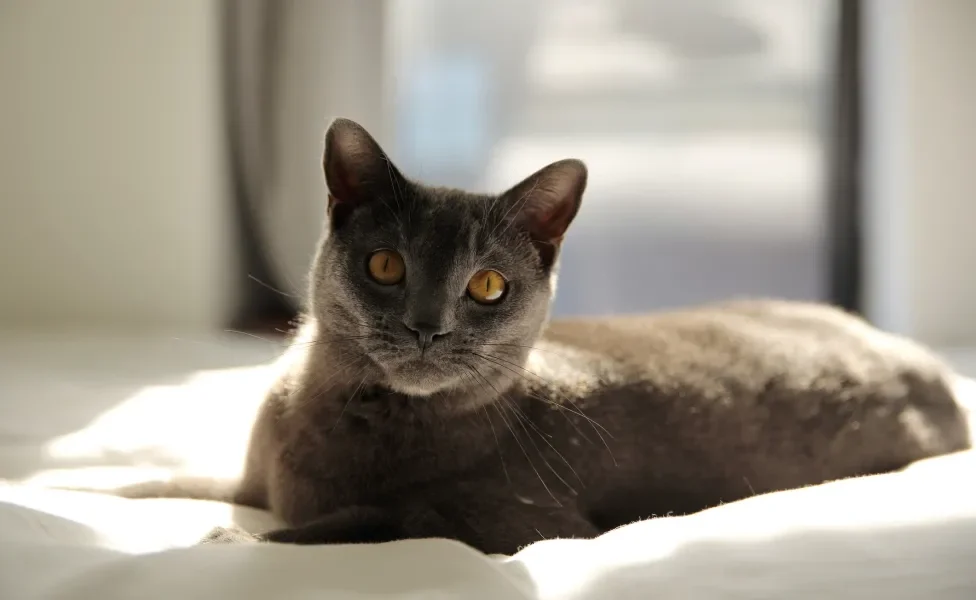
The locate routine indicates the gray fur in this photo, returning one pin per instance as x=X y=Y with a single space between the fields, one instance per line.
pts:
x=506 y=430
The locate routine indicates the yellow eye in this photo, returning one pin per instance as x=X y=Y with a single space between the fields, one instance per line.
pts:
x=386 y=267
x=487 y=287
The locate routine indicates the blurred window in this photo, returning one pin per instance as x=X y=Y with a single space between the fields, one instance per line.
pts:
x=702 y=123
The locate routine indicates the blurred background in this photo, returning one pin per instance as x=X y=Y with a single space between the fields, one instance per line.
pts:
x=160 y=159
x=161 y=191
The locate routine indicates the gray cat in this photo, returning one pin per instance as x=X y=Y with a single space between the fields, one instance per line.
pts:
x=424 y=394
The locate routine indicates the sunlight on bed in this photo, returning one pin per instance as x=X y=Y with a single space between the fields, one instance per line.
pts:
x=199 y=426
x=846 y=526
x=125 y=525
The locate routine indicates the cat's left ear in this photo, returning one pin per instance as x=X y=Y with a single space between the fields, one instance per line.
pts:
x=357 y=170
x=546 y=202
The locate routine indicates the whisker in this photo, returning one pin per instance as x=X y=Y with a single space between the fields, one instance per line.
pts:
x=257 y=337
x=498 y=446
x=517 y=441
x=556 y=405
x=324 y=386
x=329 y=340
x=578 y=412
x=339 y=370
x=522 y=420
x=545 y=438
x=271 y=287
x=526 y=454
x=546 y=350
x=346 y=404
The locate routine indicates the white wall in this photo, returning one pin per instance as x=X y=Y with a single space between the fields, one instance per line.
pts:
x=920 y=168
x=113 y=195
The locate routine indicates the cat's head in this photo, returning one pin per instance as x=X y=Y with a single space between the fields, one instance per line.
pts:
x=427 y=290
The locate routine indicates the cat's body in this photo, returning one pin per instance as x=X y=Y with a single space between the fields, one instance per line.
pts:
x=421 y=398
x=611 y=420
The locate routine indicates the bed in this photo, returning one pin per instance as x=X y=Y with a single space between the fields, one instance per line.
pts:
x=105 y=410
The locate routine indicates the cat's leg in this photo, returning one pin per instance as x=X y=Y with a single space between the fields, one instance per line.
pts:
x=351 y=525
x=504 y=525
x=486 y=512
x=492 y=523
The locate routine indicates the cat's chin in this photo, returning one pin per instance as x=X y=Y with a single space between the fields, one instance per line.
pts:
x=420 y=382
x=417 y=391
x=420 y=386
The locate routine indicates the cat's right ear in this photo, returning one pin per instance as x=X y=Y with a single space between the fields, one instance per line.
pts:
x=357 y=170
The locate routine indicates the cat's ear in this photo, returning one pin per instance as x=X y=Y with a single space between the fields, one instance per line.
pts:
x=357 y=170
x=546 y=202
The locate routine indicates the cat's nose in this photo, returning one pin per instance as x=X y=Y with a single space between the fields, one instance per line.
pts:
x=426 y=333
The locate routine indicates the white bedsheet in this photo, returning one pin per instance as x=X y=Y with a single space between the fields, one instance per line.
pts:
x=87 y=410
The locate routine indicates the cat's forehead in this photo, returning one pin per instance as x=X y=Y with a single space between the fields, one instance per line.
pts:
x=449 y=206
x=448 y=221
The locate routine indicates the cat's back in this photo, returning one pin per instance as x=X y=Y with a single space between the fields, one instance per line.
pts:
x=720 y=402
x=741 y=397
x=754 y=369
x=750 y=342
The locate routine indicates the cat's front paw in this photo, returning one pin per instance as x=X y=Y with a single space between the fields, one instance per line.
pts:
x=229 y=535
